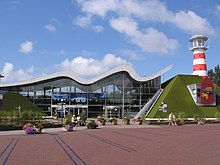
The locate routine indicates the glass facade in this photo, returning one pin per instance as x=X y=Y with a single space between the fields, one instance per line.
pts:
x=115 y=95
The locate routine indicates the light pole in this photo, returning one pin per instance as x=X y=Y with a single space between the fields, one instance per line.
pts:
x=63 y=108
x=1 y=94
x=19 y=111
x=62 y=112
x=115 y=112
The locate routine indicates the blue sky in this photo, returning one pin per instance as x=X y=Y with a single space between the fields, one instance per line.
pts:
x=91 y=37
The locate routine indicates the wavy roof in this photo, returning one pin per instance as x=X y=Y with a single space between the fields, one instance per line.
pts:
x=74 y=76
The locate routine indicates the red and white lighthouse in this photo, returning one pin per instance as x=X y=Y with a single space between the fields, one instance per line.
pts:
x=199 y=60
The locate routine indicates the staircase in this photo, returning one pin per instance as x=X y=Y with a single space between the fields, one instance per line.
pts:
x=148 y=106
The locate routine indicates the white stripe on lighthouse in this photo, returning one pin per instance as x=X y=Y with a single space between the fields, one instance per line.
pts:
x=200 y=72
x=199 y=61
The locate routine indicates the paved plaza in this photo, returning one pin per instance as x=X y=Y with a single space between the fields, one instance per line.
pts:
x=124 y=145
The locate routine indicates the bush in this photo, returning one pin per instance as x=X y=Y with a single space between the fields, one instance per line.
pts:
x=197 y=116
x=181 y=118
x=30 y=128
x=29 y=115
x=83 y=118
x=91 y=124
x=101 y=119
x=67 y=120
x=126 y=120
x=182 y=114
x=25 y=115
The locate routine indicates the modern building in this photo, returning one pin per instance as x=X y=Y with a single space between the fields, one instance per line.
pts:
x=118 y=92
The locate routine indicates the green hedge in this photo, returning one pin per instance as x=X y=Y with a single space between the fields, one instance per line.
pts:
x=12 y=100
x=178 y=99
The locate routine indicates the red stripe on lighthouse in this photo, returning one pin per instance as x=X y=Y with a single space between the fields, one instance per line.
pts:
x=199 y=67
x=199 y=55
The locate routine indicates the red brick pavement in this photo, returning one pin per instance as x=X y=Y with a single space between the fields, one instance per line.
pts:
x=142 y=145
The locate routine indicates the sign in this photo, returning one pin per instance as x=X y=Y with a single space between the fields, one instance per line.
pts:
x=207 y=92
x=163 y=108
x=78 y=97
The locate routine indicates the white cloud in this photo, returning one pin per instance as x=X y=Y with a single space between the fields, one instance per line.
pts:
x=217 y=10
x=30 y=70
x=98 y=28
x=85 y=21
x=50 y=28
x=148 y=10
x=82 y=21
x=91 y=67
x=26 y=47
x=192 y=23
x=11 y=75
x=150 y=40
x=130 y=53
x=98 y=7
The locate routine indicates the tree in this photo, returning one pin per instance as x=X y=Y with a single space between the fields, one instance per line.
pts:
x=214 y=75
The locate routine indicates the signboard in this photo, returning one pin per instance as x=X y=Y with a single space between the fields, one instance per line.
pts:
x=207 y=92
x=163 y=108
x=78 y=97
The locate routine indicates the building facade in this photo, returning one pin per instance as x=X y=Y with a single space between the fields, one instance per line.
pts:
x=116 y=93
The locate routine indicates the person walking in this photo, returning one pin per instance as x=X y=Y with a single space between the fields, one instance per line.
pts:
x=74 y=120
x=174 y=120
x=78 y=120
x=170 y=118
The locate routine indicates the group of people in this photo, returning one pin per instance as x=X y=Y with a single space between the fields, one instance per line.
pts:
x=172 y=119
x=76 y=120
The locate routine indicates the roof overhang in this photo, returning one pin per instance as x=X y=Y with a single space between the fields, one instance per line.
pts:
x=74 y=76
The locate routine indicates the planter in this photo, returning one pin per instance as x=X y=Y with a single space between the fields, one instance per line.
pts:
x=126 y=120
x=140 y=122
x=115 y=122
x=91 y=124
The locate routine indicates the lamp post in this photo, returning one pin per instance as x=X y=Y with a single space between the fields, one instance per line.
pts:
x=19 y=111
x=115 y=112
x=62 y=110
x=1 y=94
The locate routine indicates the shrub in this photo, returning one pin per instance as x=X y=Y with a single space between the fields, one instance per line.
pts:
x=126 y=120
x=25 y=115
x=197 y=116
x=101 y=119
x=30 y=128
x=142 y=118
x=67 y=119
x=181 y=118
x=91 y=124
x=83 y=118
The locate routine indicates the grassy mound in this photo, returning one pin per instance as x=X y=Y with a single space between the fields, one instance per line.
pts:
x=12 y=100
x=178 y=99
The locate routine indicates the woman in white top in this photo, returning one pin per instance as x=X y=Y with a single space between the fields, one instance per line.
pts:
x=171 y=118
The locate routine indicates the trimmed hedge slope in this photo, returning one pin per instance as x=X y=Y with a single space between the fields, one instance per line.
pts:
x=178 y=99
x=12 y=100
